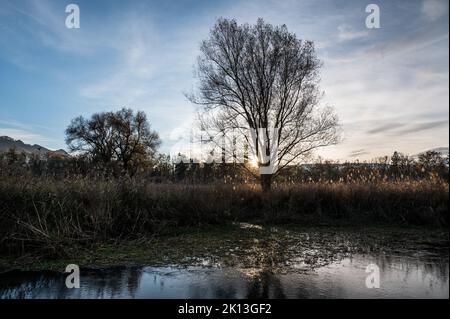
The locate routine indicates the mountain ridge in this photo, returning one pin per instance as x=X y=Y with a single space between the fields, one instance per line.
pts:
x=7 y=143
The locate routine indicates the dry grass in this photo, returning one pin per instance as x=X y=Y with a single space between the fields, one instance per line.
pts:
x=48 y=214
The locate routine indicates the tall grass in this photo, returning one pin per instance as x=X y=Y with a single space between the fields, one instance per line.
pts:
x=51 y=215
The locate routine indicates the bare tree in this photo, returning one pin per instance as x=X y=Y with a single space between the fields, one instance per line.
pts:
x=134 y=140
x=263 y=77
x=120 y=136
x=92 y=136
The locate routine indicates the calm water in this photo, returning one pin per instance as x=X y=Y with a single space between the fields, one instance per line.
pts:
x=400 y=277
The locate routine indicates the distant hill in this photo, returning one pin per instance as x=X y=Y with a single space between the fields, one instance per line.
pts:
x=7 y=142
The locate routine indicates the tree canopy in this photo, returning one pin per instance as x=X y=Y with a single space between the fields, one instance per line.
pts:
x=264 y=78
x=123 y=136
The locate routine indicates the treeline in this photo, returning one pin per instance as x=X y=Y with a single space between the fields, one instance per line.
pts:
x=121 y=144
x=430 y=164
x=162 y=169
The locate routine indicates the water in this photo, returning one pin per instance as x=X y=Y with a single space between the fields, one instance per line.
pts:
x=400 y=277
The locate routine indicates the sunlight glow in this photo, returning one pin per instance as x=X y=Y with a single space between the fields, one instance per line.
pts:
x=254 y=163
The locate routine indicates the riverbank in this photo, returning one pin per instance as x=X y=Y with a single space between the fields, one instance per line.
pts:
x=49 y=216
x=278 y=248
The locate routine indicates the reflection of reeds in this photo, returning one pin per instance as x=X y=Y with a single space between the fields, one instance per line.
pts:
x=53 y=214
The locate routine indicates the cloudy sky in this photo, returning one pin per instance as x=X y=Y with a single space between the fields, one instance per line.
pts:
x=389 y=86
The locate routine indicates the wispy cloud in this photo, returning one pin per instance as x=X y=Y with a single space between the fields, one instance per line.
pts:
x=135 y=48
x=385 y=128
x=423 y=126
x=396 y=128
x=347 y=33
x=434 y=9
x=384 y=83
x=25 y=136
x=27 y=133
x=358 y=153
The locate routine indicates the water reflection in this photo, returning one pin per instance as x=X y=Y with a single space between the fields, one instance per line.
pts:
x=401 y=277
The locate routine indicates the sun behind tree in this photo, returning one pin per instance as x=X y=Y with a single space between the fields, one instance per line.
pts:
x=263 y=77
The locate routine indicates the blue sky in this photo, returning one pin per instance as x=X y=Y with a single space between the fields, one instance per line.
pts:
x=389 y=86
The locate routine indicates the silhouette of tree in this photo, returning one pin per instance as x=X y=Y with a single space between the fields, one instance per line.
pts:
x=122 y=136
x=263 y=77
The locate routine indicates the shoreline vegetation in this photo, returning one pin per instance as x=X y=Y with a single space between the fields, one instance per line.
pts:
x=276 y=248
x=45 y=220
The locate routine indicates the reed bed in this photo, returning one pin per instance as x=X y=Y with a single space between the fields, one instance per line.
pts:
x=52 y=214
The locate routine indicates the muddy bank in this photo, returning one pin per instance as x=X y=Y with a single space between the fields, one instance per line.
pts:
x=244 y=245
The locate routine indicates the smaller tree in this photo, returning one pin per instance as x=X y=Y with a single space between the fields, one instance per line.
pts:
x=122 y=136
x=133 y=140
x=93 y=137
x=396 y=160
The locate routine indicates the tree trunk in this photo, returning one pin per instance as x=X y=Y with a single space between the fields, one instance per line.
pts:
x=266 y=182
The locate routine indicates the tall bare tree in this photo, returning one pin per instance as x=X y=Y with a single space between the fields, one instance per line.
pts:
x=121 y=136
x=263 y=77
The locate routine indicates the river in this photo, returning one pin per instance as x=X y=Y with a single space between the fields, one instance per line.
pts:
x=417 y=276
